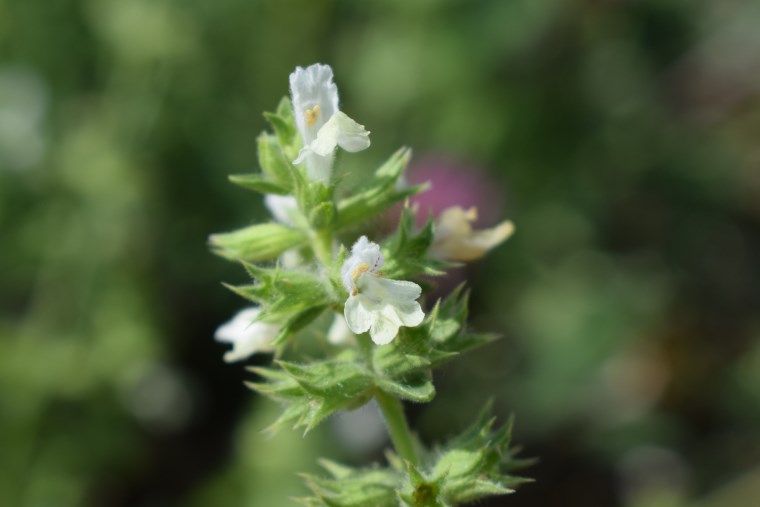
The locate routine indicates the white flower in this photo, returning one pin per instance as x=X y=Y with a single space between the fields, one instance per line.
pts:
x=322 y=126
x=456 y=241
x=283 y=208
x=246 y=335
x=377 y=304
x=339 y=332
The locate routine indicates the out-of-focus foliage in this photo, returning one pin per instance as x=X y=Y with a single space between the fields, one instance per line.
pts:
x=622 y=136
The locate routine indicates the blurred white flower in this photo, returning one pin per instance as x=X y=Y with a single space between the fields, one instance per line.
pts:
x=361 y=430
x=283 y=208
x=339 y=332
x=322 y=126
x=246 y=335
x=456 y=241
x=377 y=304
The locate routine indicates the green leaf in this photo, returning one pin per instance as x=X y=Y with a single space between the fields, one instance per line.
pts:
x=284 y=294
x=258 y=183
x=368 y=487
x=297 y=322
x=315 y=200
x=471 y=467
x=277 y=166
x=257 y=242
x=441 y=336
x=322 y=215
x=379 y=194
x=284 y=126
x=314 y=391
x=418 y=388
x=408 y=353
x=406 y=250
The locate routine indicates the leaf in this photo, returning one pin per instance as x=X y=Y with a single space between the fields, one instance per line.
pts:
x=297 y=322
x=258 y=183
x=418 y=388
x=322 y=215
x=284 y=294
x=257 y=242
x=475 y=464
x=375 y=487
x=284 y=125
x=379 y=194
x=274 y=163
x=314 y=391
x=406 y=250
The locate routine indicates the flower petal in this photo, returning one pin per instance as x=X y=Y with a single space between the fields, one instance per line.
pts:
x=339 y=332
x=363 y=253
x=396 y=290
x=340 y=130
x=318 y=167
x=385 y=326
x=456 y=241
x=410 y=314
x=283 y=208
x=352 y=136
x=309 y=87
x=358 y=316
x=247 y=335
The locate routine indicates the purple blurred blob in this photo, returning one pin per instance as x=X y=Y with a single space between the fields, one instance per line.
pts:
x=453 y=183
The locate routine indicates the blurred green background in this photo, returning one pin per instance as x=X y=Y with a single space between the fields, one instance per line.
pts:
x=622 y=137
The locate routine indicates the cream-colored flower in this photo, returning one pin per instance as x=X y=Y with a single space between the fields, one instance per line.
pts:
x=246 y=335
x=323 y=127
x=377 y=304
x=456 y=241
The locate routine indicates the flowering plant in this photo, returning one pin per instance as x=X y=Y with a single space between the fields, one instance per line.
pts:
x=362 y=301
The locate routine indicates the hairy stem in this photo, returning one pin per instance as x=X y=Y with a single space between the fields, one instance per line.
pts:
x=395 y=420
x=322 y=244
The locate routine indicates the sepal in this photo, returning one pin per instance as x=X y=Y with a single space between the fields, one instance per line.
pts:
x=348 y=487
x=259 y=183
x=314 y=391
x=286 y=296
x=417 y=387
x=441 y=336
x=284 y=126
x=275 y=164
x=473 y=466
x=381 y=193
x=406 y=251
x=255 y=243
x=470 y=468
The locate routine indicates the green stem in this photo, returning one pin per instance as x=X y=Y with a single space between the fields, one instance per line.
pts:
x=395 y=420
x=322 y=244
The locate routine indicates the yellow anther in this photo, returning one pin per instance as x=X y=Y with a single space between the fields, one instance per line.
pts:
x=359 y=271
x=311 y=115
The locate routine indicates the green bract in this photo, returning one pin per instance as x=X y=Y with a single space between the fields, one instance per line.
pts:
x=303 y=277
x=473 y=466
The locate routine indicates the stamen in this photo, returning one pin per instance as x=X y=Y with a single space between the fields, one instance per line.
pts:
x=359 y=271
x=311 y=115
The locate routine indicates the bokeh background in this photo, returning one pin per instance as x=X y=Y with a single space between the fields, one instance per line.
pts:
x=622 y=137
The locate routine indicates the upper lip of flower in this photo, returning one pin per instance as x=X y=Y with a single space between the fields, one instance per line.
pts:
x=366 y=258
x=357 y=272
x=313 y=88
